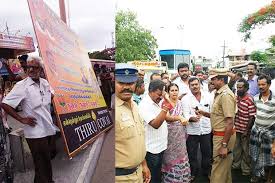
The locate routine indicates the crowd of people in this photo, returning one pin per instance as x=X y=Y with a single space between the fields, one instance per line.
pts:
x=105 y=79
x=162 y=126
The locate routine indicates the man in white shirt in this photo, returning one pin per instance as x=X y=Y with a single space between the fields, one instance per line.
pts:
x=34 y=95
x=204 y=83
x=156 y=131
x=182 y=81
x=199 y=128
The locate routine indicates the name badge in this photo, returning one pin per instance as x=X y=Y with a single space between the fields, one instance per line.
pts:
x=125 y=117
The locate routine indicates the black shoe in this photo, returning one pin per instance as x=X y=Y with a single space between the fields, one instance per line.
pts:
x=257 y=180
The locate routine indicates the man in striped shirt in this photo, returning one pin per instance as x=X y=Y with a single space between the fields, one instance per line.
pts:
x=243 y=122
x=262 y=139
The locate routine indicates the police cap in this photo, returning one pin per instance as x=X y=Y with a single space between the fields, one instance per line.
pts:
x=126 y=73
x=217 y=72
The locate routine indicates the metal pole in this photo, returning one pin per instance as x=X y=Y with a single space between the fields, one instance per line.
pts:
x=181 y=27
x=62 y=11
x=223 y=53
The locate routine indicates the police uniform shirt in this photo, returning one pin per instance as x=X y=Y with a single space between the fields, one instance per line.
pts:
x=224 y=106
x=129 y=135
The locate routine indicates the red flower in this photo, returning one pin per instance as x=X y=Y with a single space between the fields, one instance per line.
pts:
x=262 y=11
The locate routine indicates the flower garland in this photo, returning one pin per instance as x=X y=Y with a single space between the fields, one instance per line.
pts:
x=265 y=15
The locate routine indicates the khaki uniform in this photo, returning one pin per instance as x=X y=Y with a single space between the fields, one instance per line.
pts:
x=129 y=141
x=224 y=106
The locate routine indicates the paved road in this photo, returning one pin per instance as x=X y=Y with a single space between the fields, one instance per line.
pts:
x=104 y=172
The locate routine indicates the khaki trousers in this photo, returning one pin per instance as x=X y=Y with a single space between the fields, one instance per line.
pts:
x=221 y=168
x=135 y=177
x=241 y=156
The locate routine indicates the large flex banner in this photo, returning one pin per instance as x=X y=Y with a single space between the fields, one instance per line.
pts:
x=78 y=100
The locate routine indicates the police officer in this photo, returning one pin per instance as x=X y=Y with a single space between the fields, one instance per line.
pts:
x=222 y=121
x=130 y=164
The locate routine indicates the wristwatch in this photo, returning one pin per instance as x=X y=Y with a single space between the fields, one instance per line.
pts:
x=224 y=145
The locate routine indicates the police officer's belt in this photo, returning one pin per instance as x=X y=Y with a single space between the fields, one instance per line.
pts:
x=123 y=171
x=222 y=133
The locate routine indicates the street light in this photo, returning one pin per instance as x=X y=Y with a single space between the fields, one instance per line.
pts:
x=181 y=28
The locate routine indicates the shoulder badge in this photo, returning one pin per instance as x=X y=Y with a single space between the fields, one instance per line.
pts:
x=224 y=92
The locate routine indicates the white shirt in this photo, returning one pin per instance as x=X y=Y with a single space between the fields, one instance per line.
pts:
x=204 y=86
x=272 y=86
x=190 y=102
x=146 y=91
x=183 y=88
x=212 y=96
x=35 y=100
x=155 y=139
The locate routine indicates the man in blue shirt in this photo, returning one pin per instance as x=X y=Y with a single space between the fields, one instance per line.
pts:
x=252 y=79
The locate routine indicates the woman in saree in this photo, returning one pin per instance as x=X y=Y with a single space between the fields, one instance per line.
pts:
x=175 y=166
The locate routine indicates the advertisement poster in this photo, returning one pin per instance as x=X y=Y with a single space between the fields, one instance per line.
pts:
x=78 y=100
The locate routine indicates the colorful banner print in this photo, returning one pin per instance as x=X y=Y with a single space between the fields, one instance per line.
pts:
x=70 y=73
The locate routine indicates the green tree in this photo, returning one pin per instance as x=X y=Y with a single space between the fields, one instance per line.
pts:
x=106 y=54
x=259 y=56
x=272 y=40
x=133 y=42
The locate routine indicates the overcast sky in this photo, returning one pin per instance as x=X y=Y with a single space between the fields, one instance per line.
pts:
x=92 y=21
x=206 y=24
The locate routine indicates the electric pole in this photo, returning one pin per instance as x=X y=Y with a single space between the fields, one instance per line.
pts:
x=113 y=39
x=62 y=10
x=181 y=28
x=223 y=53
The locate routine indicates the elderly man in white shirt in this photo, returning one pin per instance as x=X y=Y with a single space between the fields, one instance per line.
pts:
x=156 y=131
x=199 y=128
x=34 y=95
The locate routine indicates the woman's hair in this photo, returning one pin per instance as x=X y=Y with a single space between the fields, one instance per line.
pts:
x=172 y=84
